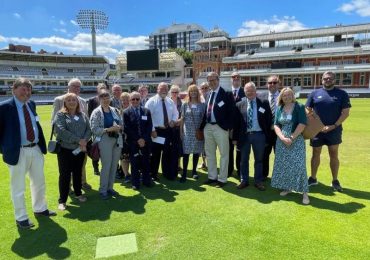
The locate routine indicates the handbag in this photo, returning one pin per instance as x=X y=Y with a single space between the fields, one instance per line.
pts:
x=53 y=146
x=93 y=150
x=199 y=134
x=313 y=126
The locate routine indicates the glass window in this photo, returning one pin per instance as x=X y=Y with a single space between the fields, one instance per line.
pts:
x=307 y=80
x=362 y=79
x=347 y=79
x=287 y=81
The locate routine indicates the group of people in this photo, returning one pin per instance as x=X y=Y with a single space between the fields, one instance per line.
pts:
x=133 y=129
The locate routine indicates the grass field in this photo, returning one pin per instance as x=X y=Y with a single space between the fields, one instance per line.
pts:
x=191 y=221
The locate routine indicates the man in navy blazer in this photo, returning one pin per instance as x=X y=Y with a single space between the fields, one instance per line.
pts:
x=218 y=120
x=22 y=144
x=138 y=127
x=252 y=129
x=238 y=93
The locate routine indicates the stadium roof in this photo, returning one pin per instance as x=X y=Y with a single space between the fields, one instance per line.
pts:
x=175 y=28
x=302 y=34
x=34 y=57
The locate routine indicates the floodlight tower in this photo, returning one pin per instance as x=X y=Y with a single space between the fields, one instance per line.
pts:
x=92 y=19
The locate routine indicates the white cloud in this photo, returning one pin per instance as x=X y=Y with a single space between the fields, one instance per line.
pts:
x=62 y=23
x=74 y=22
x=275 y=24
x=17 y=15
x=360 y=7
x=108 y=44
x=62 y=30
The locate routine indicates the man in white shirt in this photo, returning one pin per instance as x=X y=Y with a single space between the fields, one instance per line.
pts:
x=164 y=117
x=218 y=121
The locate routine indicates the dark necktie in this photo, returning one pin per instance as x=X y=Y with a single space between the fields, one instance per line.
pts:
x=235 y=94
x=210 y=107
x=165 y=115
x=137 y=115
x=250 y=114
x=28 y=122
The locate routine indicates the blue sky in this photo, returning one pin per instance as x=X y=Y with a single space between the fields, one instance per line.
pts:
x=51 y=25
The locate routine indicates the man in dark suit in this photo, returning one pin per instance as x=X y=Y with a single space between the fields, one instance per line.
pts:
x=93 y=103
x=218 y=120
x=252 y=126
x=238 y=93
x=138 y=128
x=273 y=85
x=22 y=144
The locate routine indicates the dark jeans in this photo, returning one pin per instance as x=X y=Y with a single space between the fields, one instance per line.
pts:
x=169 y=152
x=140 y=164
x=257 y=142
x=231 y=159
x=69 y=164
x=267 y=152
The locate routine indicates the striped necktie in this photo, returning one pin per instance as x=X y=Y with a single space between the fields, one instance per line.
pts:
x=273 y=107
x=250 y=114
x=28 y=122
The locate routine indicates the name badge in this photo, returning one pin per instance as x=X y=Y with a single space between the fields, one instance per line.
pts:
x=136 y=155
x=144 y=117
x=97 y=139
x=289 y=117
x=193 y=106
x=76 y=118
x=221 y=103
x=37 y=118
x=262 y=110
x=188 y=110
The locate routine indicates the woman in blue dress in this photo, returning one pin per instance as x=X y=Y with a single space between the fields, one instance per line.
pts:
x=289 y=173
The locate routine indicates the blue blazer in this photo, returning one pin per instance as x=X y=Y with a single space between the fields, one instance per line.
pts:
x=10 y=136
x=131 y=127
x=224 y=113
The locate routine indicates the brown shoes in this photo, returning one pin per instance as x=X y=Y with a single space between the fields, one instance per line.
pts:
x=242 y=185
x=260 y=186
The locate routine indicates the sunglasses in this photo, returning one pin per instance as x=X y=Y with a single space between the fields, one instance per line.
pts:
x=135 y=99
x=327 y=78
x=235 y=77
x=273 y=82
x=174 y=92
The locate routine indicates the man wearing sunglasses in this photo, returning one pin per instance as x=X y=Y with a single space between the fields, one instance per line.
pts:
x=273 y=86
x=332 y=105
x=238 y=94
x=138 y=127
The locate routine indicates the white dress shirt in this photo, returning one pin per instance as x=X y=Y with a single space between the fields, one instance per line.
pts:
x=154 y=104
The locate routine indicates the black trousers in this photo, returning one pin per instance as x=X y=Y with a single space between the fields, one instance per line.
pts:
x=139 y=160
x=266 y=156
x=68 y=164
x=231 y=159
x=166 y=153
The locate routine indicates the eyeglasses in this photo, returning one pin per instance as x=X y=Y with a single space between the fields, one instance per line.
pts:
x=327 y=79
x=135 y=99
x=235 y=77
x=273 y=82
x=174 y=92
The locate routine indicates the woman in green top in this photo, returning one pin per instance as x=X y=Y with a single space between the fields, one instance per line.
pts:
x=289 y=173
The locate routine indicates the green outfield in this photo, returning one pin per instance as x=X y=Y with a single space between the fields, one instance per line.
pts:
x=191 y=221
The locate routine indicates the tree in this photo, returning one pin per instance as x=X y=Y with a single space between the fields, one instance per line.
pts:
x=186 y=55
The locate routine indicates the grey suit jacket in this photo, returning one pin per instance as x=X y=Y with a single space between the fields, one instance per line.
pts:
x=58 y=105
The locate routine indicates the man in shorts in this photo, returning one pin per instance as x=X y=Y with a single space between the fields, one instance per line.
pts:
x=332 y=105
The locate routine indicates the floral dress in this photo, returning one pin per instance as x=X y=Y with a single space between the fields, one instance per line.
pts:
x=289 y=171
x=193 y=116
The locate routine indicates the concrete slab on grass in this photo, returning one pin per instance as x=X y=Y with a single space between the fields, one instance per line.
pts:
x=116 y=245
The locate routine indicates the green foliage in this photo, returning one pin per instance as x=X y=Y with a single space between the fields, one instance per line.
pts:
x=192 y=221
x=186 y=55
